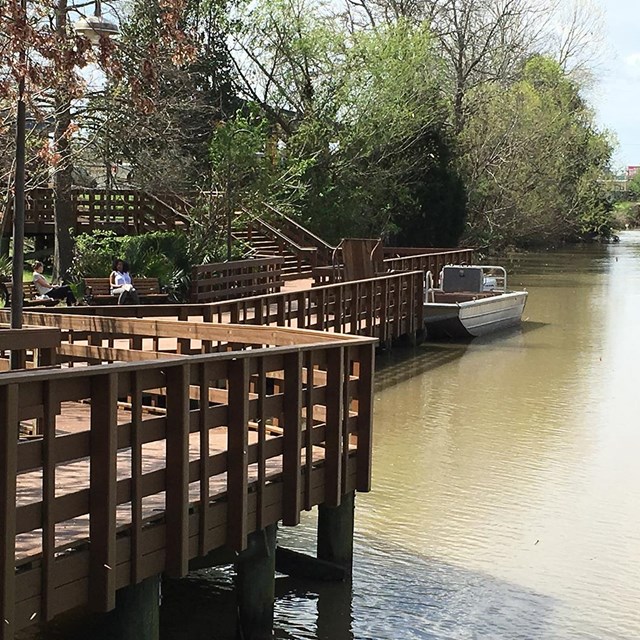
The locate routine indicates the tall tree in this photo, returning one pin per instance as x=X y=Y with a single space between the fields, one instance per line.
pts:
x=363 y=108
x=171 y=97
x=533 y=161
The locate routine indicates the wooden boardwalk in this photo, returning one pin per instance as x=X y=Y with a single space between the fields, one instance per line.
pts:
x=166 y=435
x=143 y=465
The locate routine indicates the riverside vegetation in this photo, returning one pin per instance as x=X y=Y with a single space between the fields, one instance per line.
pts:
x=428 y=123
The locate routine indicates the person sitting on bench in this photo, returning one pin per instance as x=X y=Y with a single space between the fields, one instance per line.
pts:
x=121 y=285
x=53 y=291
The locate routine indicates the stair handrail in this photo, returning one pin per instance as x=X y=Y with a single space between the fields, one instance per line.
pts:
x=317 y=241
x=276 y=232
x=181 y=216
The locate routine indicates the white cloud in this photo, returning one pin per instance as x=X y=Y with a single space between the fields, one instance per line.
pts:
x=633 y=60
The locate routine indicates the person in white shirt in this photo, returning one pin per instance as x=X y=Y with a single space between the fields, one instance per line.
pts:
x=121 y=285
x=53 y=291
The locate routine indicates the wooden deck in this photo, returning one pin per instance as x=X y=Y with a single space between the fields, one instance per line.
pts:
x=163 y=432
x=145 y=463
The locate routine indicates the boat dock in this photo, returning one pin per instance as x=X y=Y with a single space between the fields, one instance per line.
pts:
x=155 y=437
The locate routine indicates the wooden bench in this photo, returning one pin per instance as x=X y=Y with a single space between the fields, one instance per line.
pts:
x=31 y=295
x=98 y=291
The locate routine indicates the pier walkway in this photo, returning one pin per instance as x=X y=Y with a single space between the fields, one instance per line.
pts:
x=140 y=466
x=138 y=438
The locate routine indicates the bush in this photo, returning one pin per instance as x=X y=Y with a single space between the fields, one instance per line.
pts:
x=162 y=255
x=166 y=255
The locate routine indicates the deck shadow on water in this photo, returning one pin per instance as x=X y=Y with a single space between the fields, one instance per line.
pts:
x=394 y=596
x=398 y=365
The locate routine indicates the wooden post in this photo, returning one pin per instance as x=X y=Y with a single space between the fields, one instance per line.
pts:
x=177 y=482
x=255 y=585
x=8 y=471
x=136 y=616
x=335 y=533
x=291 y=469
x=102 y=492
x=365 y=417
x=333 y=432
x=237 y=453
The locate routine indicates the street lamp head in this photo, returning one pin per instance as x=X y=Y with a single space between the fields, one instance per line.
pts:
x=94 y=27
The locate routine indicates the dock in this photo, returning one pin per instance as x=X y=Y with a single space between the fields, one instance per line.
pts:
x=141 y=441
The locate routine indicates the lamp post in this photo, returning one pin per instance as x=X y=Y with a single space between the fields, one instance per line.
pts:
x=229 y=189
x=93 y=28
x=17 y=264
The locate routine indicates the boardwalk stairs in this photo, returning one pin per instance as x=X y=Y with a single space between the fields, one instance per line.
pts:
x=276 y=234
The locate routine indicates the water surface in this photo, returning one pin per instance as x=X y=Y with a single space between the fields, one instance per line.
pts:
x=506 y=477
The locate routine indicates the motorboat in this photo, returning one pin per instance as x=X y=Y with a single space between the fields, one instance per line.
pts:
x=471 y=301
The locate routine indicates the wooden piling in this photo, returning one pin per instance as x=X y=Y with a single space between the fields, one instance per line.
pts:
x=255 y=585
x=335 y=532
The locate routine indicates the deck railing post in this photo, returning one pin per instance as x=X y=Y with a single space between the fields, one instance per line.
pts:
x=366 y=365
x=8 y=470
x=102 y=492
x=177 y=473
x=291 y=468
x=333 y=431
x=237 y=453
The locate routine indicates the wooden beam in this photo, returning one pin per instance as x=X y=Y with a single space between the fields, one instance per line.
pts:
x=237 y=454
x=177 y=473
x=291 y=469
x=108 y=354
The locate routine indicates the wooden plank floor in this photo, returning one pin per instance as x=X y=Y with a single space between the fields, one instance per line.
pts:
x=72 y=476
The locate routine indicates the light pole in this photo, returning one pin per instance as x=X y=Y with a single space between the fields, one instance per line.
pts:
x=93 y=28
x=17 y=264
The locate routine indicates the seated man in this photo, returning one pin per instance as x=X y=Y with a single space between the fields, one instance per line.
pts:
x=56 y=292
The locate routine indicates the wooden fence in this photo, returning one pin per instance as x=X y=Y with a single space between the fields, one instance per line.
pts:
x=432 y=261
x=41 y=343
x=388 y=308
x=237 y=279
x=158 y=462
x=401 y=259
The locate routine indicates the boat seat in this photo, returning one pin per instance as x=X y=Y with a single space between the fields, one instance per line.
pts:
x=461 y=278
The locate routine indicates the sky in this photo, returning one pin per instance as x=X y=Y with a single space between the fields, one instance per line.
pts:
x=616 y=94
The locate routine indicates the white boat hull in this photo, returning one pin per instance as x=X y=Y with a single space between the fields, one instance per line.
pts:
x=475 y=317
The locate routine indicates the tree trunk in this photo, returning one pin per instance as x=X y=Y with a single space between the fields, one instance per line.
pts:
x=64 y=216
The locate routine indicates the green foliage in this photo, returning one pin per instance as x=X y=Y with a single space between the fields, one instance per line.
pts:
x=5 y=267
x=390 y=130
x=533 y=160
x=626 y=215
x=165 y=255
x=361 y=125
x=246 y=165
x=633 y=186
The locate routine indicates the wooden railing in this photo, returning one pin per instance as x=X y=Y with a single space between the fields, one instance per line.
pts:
x=388 y=308
x=395 y=252
x=122 y=210
x=30 y=346
x=301 y=235
x=145 y=465
x=306 y=256
x=429 y=261
x=240 y=278
x=401 y=259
